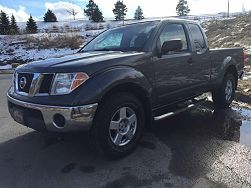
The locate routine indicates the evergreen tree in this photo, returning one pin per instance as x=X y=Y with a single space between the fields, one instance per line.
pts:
x=93 y=12
x=90 y=9
x=182 y=8
x=31 y=25
x=4 y=24
x=119 y=10
x=138 y=14
x=13 y=26
x=49 y=16
x=97 y=15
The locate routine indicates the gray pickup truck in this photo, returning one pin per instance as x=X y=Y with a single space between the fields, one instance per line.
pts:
x=123 y=80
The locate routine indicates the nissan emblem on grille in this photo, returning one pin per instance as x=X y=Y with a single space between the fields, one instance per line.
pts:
x=22 y=82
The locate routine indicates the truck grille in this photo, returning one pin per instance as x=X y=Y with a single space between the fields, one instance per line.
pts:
x=30 y=84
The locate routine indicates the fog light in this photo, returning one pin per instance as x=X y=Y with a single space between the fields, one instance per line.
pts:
x=58 y=120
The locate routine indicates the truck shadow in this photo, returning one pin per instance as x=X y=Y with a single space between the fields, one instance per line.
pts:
x=191 y=142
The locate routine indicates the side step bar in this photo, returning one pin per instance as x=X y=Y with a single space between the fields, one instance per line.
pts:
x=188 y=106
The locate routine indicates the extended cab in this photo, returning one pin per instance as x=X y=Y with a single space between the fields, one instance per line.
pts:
x=122 y=80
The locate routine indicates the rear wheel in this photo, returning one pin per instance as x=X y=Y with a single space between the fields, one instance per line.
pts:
x=224 y=96
x=118 y=125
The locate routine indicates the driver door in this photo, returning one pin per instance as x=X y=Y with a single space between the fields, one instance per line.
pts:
x=172 y=70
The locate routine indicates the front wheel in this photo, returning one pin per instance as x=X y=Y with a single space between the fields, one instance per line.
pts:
x=118 y=125
x=224 y=96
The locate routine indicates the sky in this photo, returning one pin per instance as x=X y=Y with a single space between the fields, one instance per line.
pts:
x=21 y=9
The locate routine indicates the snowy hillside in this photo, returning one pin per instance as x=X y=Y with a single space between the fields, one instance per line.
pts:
x=26 y=48
x=61 y=38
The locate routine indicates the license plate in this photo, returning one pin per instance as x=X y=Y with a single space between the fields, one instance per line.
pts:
x=18 y=115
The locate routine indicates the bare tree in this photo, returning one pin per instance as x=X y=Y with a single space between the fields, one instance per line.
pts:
x=72 y=11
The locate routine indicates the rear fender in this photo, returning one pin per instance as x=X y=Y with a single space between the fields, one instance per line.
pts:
x=229 y=62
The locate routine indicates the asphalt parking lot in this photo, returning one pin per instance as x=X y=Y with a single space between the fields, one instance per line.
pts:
x=199 y=148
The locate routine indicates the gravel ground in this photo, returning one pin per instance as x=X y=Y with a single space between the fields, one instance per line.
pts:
x=199 y=148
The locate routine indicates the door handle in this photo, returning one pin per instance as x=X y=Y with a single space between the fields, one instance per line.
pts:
x=190 y=61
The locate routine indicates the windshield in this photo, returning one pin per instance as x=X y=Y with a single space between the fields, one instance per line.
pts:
x=127 y=38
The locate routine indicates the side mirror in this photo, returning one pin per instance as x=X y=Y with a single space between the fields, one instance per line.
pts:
x=171 y=45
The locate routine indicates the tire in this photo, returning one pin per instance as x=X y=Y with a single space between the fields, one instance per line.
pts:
x=118 y=125
x=224 y=95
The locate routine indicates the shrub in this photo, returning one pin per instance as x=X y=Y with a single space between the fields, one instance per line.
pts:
x=56 y=41
x=15 y=65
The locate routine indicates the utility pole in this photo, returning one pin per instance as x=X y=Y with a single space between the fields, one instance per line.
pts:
x=243 y=8
x=228 y=9
x=123 y=15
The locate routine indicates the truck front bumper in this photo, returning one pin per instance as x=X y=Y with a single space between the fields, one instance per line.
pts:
x=52 y=118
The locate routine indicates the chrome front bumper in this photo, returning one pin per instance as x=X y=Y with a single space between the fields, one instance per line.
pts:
x=75 y=118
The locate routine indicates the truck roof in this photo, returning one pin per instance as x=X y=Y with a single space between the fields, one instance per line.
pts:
x=161 y=20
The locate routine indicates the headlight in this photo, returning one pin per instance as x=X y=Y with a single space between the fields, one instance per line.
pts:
x=65 y=83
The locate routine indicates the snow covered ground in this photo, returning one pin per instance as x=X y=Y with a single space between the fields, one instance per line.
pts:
x=19 y=48
x=13 y=51
x=5 y=67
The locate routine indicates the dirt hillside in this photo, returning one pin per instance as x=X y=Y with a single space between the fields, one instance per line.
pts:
x=234 y=32
x=229 y=33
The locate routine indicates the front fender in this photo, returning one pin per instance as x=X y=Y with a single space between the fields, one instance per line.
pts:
x=99 y=84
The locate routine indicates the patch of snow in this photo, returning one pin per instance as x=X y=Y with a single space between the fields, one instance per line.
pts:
x=247 y=75
x=15 y=48
x=5 y=67
x=35 y=54
x=223 y=38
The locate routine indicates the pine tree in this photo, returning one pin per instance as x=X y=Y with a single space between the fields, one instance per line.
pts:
x=138 y=14
x=49 y=16
x=90 y=9
x=31 y=25
x=97 y=15
x=13 y=26
x=119 y=10
x=93 y=12
x=182 y=8
x=4 y=24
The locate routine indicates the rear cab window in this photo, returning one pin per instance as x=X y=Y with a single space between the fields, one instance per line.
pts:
x=198 y=38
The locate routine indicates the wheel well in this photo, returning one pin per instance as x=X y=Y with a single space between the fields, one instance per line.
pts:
x=232 y=69
x=139 y=93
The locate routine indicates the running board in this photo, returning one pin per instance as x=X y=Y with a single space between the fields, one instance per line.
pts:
x=193 y=104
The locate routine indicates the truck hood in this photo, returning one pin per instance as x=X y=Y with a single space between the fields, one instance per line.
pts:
x=88 y=62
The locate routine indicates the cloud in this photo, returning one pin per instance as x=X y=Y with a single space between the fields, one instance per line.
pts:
x=20 y=14
x=158 y=8
x=60 y=9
